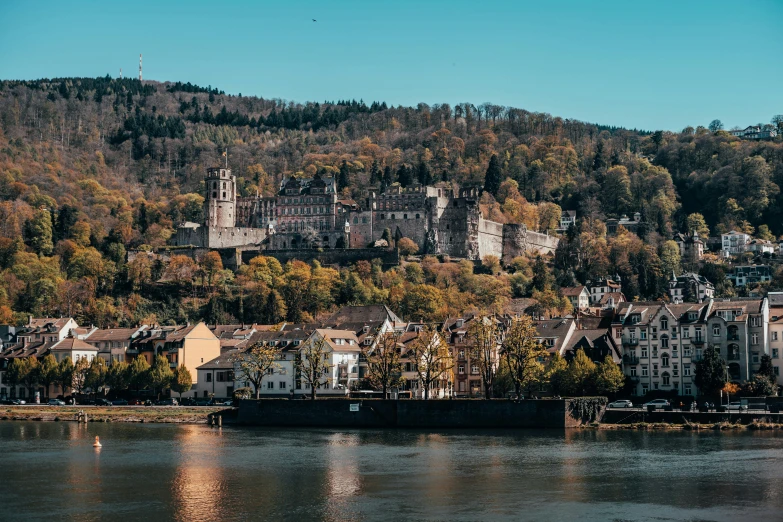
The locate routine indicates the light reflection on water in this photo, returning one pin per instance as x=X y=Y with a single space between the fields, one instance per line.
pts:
x=158 y=472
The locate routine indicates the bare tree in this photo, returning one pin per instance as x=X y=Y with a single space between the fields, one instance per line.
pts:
x=312 y=364
x=384 y=368
x=256 y=361
x=484 y=335
x=432 y=358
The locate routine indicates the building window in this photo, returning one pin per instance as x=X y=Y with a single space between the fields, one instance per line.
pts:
x=665 y=360
x=664 y=341
x=774 y=336
x=209 y=377
x=461 y=369
x=774 y=353
x=688 y=389
x=664 y=323
x=282 y=385
x=665 y=378
x=644 y=370
x=776 y=370
x=755 y=357
x=474 y=370
x=686 y=370
x=270 y=385
x=643 y=335
x=754 y=339
x=633 y=371
x=716 y=330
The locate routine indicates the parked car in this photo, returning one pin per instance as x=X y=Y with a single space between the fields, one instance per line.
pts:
x=17 y=402
x=56 y=402
x=657 y=403
x=102 y=402
x=738 y=406
x=221 y=402
x=168 y=402
x=187 y=401
x=202 y=402
x=119 y=402
x=620 y=404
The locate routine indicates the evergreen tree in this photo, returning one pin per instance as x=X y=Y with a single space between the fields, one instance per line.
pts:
x=388 y=178
x=710 y=372
x=405 y=175
x=766 y=369
x=342 y=177
x=494 y=176
x=423 y=173
x=542 y=277
x=66 y=219
x=375 y=173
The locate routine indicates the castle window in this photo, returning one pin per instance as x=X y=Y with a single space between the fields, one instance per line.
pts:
x=355 y=220
x=224 y=184
x=224 y=195
x=417 y=216
x=405 y=216
x=392 y=216
x=214 y=195
x=383 y=216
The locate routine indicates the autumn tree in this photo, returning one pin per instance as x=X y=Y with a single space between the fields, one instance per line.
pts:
x=139 y=373
x=407 y=246
x=96 y=378
x=65 y=372
x=79 y=380
x=255 y=362
x=384 y=366
x=432 y=358
x=182 y=380
x=523 y=354
x=38 y=232
x=118 y=376
x=47 y=375
x=609 y=377
x=580 y=375
x=160 y=375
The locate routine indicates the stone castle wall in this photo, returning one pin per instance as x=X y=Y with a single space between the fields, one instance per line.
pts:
x=219 y=237
x=490 y=238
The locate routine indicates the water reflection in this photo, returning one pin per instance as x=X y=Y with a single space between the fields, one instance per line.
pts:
x=197 y=473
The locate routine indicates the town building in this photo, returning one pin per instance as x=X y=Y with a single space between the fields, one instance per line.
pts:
x=579 y=296
x=610 y=301
x=600 y=287
x=776 y=333
x=216 y=378
x=567 y=220
x=189 y=346
x=755 y=132
x=467 y=369
x=750 y=275
x=555 y=334
x=596 y=343
x=761 y=247
x=734 y=242
x=113 y=343
x=662 y=342
x=690 y=287
x=630 y=224
x=691 y=247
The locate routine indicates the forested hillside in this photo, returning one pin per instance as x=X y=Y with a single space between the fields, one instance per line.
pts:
x=91 y=167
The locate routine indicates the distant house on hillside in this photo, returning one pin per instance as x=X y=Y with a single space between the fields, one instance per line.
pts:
x=754 y=132
x=632 y=225
x=567 y=219
x=578 y=295
x=691 y=246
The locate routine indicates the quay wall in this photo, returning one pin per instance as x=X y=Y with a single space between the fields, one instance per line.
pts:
x=620 y=417
x=380 y=413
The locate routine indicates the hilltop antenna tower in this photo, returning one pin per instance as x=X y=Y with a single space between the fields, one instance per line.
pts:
x=139 y=67
x=120 y=73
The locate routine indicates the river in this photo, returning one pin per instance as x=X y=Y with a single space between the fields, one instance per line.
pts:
x=193 y=472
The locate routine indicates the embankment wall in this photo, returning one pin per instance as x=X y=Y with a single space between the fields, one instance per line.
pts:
x=379 y=413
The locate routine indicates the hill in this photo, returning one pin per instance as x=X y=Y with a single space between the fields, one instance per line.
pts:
x=90 y=167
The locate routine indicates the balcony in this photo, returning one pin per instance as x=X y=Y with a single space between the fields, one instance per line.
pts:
x=733 y=357
x=633 y=341
x=698 y=340
x=630 y=359
x=344 y=372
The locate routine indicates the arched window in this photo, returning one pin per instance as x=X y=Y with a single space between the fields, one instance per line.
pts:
x=665 y=377
x=665 y=360
x=732 y=333
x=664 y=323
x=733 y=353
x=664 y=341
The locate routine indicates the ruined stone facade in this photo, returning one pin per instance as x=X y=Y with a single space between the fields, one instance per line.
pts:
x=307 y=213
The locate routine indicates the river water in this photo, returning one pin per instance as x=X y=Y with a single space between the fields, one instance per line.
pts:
x=149 y=472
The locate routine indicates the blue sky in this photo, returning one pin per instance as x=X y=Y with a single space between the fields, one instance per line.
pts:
x=652 y=65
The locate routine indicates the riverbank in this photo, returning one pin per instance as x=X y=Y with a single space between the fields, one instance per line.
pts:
x=156 y=414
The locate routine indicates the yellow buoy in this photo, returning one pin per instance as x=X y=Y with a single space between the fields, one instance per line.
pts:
x=97 y=443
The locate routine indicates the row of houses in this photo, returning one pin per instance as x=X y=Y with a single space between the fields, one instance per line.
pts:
x=656 y=344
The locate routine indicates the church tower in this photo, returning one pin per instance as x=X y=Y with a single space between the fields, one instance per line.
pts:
x=220 y=202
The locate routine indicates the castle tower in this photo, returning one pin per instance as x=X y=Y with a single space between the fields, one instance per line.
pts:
x=220 y=199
